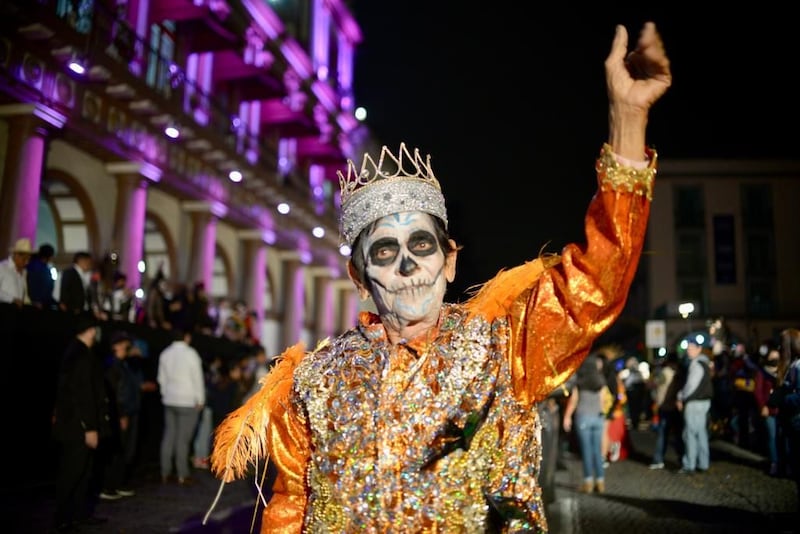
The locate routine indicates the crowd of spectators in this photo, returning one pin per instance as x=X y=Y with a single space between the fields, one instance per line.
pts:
x=90 y=305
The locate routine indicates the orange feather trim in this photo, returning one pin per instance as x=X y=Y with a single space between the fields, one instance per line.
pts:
x=495 y=298
x=240 y=439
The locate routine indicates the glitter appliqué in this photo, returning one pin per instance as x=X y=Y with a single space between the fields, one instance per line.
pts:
x=618 y=177
x=417 y=442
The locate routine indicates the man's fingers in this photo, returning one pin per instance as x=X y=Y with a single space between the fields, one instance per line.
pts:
x=619 y=46
x=648 y=35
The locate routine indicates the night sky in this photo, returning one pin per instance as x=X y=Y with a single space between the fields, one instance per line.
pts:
x=511 y=105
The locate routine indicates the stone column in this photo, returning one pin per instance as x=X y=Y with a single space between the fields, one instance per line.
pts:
x=293 y=298
x=324 y=302
x=129 y=215
x=203 y=243
x=29 y=127
x=349 y=304
x=254 y=277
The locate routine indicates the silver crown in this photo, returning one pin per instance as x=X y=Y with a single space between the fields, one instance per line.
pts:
x=393 y=185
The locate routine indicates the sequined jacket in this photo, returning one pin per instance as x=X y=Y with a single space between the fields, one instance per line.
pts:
x=439 y=434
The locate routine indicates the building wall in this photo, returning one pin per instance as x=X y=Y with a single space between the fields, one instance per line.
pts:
x=722 y=183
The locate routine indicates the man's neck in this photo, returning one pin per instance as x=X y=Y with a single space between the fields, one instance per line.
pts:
x=402 y=333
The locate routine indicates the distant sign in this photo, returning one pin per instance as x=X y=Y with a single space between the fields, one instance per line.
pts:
x=655 y=334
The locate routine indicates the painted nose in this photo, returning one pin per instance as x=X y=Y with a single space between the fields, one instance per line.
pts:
x=407 y=266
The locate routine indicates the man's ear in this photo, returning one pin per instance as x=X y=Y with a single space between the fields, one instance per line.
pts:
x=363 y=294
x=450 y=262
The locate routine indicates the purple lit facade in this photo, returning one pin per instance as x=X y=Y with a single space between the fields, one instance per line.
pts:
x=265 y=90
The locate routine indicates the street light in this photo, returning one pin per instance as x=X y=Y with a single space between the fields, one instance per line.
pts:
x=686 y=309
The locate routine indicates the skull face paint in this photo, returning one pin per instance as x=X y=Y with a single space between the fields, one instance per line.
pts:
x=405 y=266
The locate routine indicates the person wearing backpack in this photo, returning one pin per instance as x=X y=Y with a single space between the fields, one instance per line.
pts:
x=694 y=400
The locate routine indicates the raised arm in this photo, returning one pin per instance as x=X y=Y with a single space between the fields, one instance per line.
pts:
x=635 y=80
x=559 y=305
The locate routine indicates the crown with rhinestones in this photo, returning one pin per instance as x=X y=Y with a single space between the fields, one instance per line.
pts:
x=392 y=185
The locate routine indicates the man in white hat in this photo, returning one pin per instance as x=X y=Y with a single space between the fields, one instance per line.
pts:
x=13 y=287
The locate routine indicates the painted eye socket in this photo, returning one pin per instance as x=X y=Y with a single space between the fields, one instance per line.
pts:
x=384 y=251
x=422 y=243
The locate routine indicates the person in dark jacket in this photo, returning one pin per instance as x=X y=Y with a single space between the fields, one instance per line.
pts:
x=74 y=294
x=667 y=382
x=80 y=419
x=124 y=385
x=40 y=280
x=694 y=400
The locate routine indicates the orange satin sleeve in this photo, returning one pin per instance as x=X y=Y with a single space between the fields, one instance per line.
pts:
x=557 y=306
x=288 y=443
x=267 y=427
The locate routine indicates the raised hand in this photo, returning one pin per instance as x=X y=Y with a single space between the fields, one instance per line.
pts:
x=640 y=77
x=635 y=80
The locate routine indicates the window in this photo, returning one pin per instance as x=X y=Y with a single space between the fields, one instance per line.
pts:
x=690 y=254
x=689 y=207
x=761 y=297
x=757 y=206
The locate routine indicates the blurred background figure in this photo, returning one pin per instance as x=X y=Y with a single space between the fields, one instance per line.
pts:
x=766 y=382
x=75 y=284
x=666 y=381
x=636 y=390
x=788 y=401
x=124 y=384
x=585 y=406
x=183 y=396
x=694 y=401
x=118 y=304
x=550 y=415
x=743 y=371
x=80 y=421
x=156 y=307
x=41 y=285
x=200 y=310
x=13 y=283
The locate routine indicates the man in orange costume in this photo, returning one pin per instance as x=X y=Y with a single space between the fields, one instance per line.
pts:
x=421 y=417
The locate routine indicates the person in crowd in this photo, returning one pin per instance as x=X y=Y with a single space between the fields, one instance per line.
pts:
x=668 y=379
x=423 y=415
x=788 y=400
x=222 y=312
x=694 y=401
x=228 y=392
x=40 y=278
x=13 y=283
x=124 y=385
x=261 y=366
x=178 y=312
x=118 y=303
x=585 y=403
x=743 y=379
x=80 y=421
x=766 y=382
x=235 y=326
x=549 y=411
x=636 y=391
x=157 y=301
x=199 y=310
x=75 y=289
x=183 y=395
x=616 y=444
x=201 y=446
x=721 y=413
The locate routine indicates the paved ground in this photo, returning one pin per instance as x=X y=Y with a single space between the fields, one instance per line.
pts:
x=735 y=496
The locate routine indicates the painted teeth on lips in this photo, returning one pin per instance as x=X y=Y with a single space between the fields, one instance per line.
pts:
x=412 y=288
